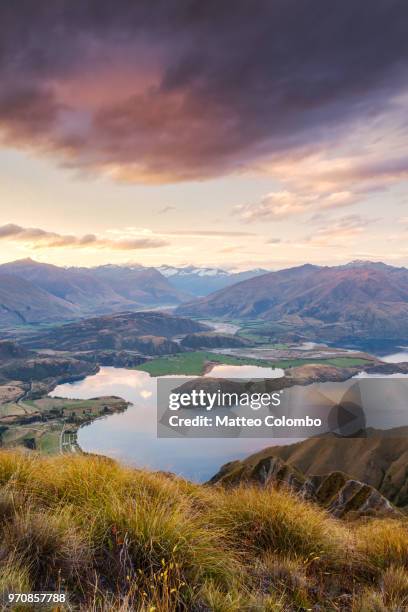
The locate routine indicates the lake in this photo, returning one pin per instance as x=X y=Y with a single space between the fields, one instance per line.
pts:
x=399 y=355
x=131 y=436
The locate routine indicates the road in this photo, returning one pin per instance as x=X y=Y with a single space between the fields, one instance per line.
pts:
x=21 y=399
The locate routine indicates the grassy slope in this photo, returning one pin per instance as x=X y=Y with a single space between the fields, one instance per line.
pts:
x=120 y=539
x=193 y=363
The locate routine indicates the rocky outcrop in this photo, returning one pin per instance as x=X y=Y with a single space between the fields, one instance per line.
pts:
x=379 y=459
x=347 y=498
x=339 y=494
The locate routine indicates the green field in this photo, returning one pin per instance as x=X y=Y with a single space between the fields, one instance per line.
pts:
x=48 y=443
x=51 y=415
x=193 y=363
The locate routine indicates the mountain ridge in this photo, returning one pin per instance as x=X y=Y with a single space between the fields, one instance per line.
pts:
x=368 y=300
x=148 y=332
x=200 y=281
x=378 y=460
x=35 y=292
x=21 y=302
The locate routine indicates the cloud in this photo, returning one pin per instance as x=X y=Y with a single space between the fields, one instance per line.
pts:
x=280 y=205
x=342 y=229
x=192 y=90
x=165 y=210
x=210 y=233
x=40 y=239
x=232 y=249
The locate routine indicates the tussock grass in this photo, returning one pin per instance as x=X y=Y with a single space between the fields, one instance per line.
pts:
x=391 y=596
x=123 y=539
x=47 y=545
x=383 y=543
x=261 y=520
x=14 y=578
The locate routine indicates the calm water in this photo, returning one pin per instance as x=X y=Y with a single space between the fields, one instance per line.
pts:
x=395 y=357
x=131 y=435
x=398 y=357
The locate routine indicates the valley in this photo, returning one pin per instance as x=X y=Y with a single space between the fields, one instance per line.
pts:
x=359 y=301
x=155 y=343
x=35 y=293
x=86 y=390
x=203 y=306
x=38 y=359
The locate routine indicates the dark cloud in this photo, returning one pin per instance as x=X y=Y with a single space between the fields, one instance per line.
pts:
x=185 y=89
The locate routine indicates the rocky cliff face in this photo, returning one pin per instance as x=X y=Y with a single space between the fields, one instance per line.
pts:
x=380 y=459
x=341 y=495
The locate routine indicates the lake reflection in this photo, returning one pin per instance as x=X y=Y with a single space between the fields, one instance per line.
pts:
x=398 y=357
x=131 y=435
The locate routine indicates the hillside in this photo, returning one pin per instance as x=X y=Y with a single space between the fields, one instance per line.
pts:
x=213 y=340
x=115 y=538
x=364 y=300
x=139 y=284
x=10 y=350
x=23 y=303
x=379 y=460
x=97 y=290
x=341 y=495
x=147 y=332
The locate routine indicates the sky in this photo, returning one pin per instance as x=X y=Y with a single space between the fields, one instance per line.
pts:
x=239 y=135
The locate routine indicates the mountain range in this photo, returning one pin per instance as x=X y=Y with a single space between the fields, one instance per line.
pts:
x=34 y=292
x=23 y=303
x=360 y=300
x=203 y=281
x=357 y=300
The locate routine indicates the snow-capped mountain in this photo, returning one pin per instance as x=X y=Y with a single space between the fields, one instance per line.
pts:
x=186 y=270
x=202 y=281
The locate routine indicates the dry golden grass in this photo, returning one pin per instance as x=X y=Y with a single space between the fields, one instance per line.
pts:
x=383 y=543
x=269 y=519
x=123 y=539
